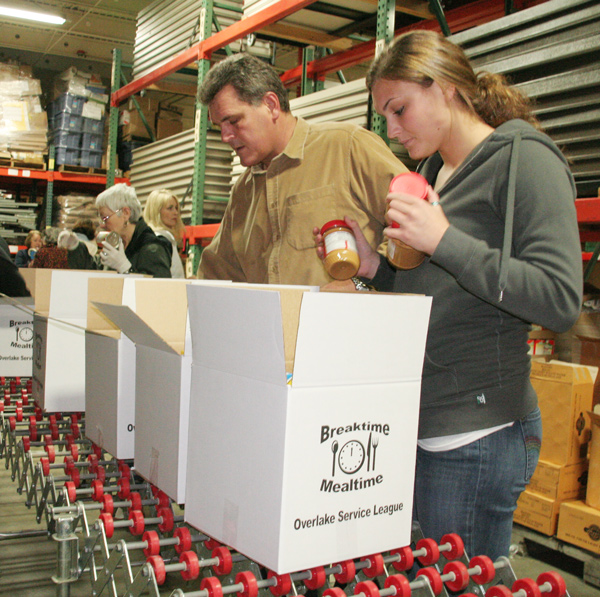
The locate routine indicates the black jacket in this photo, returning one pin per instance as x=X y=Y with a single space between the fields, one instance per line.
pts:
x=11 y=281
x=148 y=254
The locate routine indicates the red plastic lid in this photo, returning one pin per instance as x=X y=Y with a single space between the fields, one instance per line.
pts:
x=332 y=224
x=410 y=183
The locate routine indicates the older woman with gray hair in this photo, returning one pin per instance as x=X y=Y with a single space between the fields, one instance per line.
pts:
x=138 y=249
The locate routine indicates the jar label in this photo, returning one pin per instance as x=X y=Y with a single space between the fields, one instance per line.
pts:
x=339 y=240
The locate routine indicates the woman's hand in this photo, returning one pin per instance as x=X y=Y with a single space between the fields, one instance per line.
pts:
x=421 y=224
x=369 y=258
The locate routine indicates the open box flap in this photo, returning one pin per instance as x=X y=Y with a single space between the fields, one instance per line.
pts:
x=239 y=330
x=69 y=291
x=360 y=338
x=134 y=327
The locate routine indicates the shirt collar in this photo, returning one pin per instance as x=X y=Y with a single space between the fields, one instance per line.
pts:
x=294 y=150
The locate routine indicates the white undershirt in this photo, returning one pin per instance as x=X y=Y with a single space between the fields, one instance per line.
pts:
x=451 y=442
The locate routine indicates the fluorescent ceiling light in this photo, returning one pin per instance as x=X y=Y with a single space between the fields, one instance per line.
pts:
x=30 y=15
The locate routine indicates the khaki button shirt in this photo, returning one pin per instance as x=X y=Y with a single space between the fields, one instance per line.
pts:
x=327 y=171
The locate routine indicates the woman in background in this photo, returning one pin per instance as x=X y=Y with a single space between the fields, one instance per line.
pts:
x=50 y=255
x=33 y=241
x=163 y=215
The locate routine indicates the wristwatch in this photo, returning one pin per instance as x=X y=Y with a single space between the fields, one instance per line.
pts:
x=360 y=285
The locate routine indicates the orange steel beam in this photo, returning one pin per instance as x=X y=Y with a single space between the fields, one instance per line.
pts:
x=458 y=19
x=205 y=48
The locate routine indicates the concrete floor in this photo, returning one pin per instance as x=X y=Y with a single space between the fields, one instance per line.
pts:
x=28 y=564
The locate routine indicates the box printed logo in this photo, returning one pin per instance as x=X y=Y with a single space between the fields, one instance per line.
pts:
x=353 y=450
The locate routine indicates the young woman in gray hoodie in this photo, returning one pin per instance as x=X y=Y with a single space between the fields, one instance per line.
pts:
x=500 y=229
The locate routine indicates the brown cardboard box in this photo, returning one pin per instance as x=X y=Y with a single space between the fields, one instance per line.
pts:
x=565 y=393
x=134 y=127
x=560 y=483
x=166 y=127
x=593 y=491
x=579 y=524
x=537 y=512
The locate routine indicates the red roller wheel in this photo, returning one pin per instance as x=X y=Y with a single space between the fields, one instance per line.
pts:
x=185 y=539
x=317 y=578
x=137 y=518
x=19 y=413
x=74 y=449
x=69 y=439
x=406 y=559
x=33 y=434
x=376 y=565
x=558 y=587
x=211 y=543
x=124 y=470
x=48 y=440
x=152 y=543
x=334 y=592
x=248 y=582
x=487 y=569
x=192 y=565
x=45 y=466
x=97 y=490
x=108 y=504
x=347 y=573
x=457 y=547
x=124 y=489
x=498 y=591
x=167 y=523
x=212 y=586
x=528 y=586
x=283 y=584
x=435 y=580
x=432 y=550
x=39 y=414
x=468 y=595
x=158 y=565
x=74 y=419
x=400 y=583
x=100 y=474
x=69 y=464
x=92 y=461
x=163 y=500
x=97 y=451
x=367 y=587
x=109 y=527
x=50 y=450
x=75 y=477
x=75 y=431
x=12 y=423
x=461 y=574
x=136 y=501
x=71 y=491
x=225 y=564
x=26 y=444
x=54 y=432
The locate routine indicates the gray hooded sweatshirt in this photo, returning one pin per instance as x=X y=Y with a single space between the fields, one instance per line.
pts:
x=511 y=257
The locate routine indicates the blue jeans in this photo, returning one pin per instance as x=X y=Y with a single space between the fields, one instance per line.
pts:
x=473 y=490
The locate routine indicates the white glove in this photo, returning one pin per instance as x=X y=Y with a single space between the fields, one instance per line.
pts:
x=115 y=258
x=67 y=239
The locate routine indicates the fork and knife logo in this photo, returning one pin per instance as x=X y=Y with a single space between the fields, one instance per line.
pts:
x=371 y=451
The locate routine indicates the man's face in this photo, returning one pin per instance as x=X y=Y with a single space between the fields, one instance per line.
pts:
x=250 y=130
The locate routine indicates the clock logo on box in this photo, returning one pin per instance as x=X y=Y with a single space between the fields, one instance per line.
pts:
x=353 y=453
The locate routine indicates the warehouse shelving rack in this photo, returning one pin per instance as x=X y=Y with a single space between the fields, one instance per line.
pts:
x=309 y=70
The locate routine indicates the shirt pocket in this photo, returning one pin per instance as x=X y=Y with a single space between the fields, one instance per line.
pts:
x=308 y=209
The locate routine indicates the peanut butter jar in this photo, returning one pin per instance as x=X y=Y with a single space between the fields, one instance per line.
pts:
x=341 y=256
x=399 y=254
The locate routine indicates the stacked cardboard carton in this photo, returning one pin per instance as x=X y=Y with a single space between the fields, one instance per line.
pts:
x=23 y=123
x=565 y=392
x=579 y=521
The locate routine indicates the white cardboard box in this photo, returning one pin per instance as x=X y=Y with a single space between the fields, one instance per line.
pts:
x=110 y=371
x=160 y=331
x=59 y=338
x=16 y=337
x=315 y=472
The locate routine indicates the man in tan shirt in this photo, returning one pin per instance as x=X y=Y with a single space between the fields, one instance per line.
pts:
x=298 y=177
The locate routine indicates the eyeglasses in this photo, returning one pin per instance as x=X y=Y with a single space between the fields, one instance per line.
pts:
x=106 y=218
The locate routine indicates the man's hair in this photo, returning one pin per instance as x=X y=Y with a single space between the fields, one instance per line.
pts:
x=251 y=78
